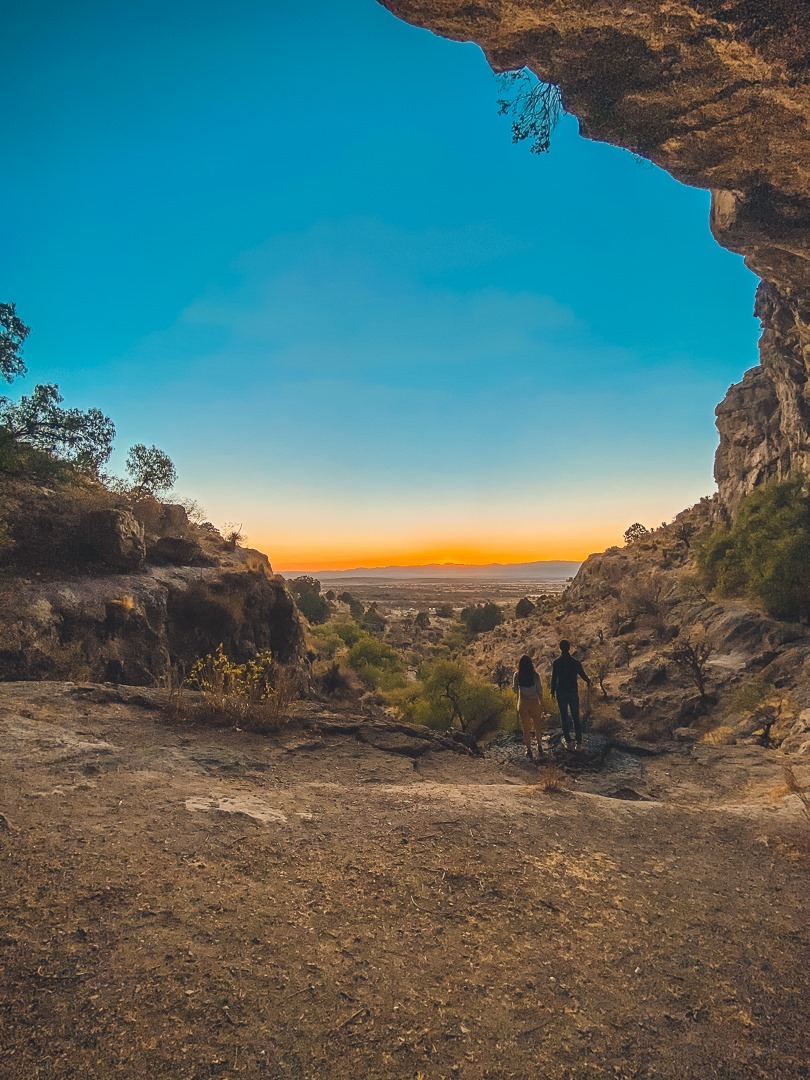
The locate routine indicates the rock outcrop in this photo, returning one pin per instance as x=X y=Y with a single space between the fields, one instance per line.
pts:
x=717 y=92
x=93 y=587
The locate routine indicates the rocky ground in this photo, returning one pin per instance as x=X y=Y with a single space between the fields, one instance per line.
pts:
x=345 y=899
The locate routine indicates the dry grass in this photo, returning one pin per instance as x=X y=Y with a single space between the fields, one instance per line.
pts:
x=552 y=780
x=125 y=602
x=719 y=736
x=795 y=788
x=255 y=696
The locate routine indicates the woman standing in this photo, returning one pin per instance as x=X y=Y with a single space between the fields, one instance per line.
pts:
x=526 y=684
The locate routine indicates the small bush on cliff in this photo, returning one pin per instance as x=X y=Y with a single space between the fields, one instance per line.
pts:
x=636 y=532
x=765 y=553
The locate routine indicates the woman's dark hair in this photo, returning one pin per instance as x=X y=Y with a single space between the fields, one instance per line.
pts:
x=525 y=671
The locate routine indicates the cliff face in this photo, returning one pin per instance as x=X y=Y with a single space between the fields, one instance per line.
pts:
x=717 y=92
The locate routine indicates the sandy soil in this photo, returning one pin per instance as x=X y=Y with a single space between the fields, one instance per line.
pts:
x=186 y=902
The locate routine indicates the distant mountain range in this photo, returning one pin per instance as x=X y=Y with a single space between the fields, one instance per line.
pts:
x=545 y=570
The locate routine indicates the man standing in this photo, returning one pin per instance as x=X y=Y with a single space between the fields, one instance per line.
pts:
x=564 y=674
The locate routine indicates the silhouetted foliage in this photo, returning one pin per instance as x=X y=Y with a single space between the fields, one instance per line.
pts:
x=422 y=620
x=691 y=656
x=83 y=439
x=307 y=593
x=636 y=532
x=13 y=333
x=150 y=470
x=765 y=553
x=535 y=108
x=501 y=675
x=524 y=607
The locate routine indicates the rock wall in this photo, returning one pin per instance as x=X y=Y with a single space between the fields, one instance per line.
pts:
x=717 y=92
x=92 y=590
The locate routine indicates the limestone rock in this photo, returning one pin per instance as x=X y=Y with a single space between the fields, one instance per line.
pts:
x=115 y=538
x=179 y=551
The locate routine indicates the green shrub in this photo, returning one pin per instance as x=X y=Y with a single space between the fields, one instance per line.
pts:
x=481 y=617
x=447 y=696
x=376 y=664
x=312 y=605
x=765 y=553
x=314 y=608
x=336 y=636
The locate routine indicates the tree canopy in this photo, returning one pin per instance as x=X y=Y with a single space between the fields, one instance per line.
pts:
x=82 y=438
x=150 y=470
x=13 y=333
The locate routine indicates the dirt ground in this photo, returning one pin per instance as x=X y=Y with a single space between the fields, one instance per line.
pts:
x=188 y=902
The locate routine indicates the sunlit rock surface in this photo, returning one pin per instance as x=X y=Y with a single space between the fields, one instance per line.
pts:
x=717 y=92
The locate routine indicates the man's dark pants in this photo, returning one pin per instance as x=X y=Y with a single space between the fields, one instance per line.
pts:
x=569 y=710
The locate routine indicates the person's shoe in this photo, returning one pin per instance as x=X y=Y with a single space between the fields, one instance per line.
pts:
x=569 y=745
x=577 y=745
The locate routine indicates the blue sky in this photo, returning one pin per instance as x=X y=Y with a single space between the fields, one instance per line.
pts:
x=294 y=246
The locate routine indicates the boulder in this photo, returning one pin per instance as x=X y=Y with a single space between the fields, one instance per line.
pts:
x=173 y=519
x=524 y=607
x=179 y=551
x=115 y=538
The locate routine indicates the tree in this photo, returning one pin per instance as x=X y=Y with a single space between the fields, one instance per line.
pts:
x=315 y=609
x=691 y=655
x=305 y=584
x=501 y=675
x=373 y=619
x=449 y=697
x=524 y=608
x=535 y=108
x=83 y=439
x=13 y=333
x=150 y=470
x=684 y=531
x=636 y=532
x=481 y=617
x=445 y=611
x=307 y=593
x=422 y=620
x=601 y=663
